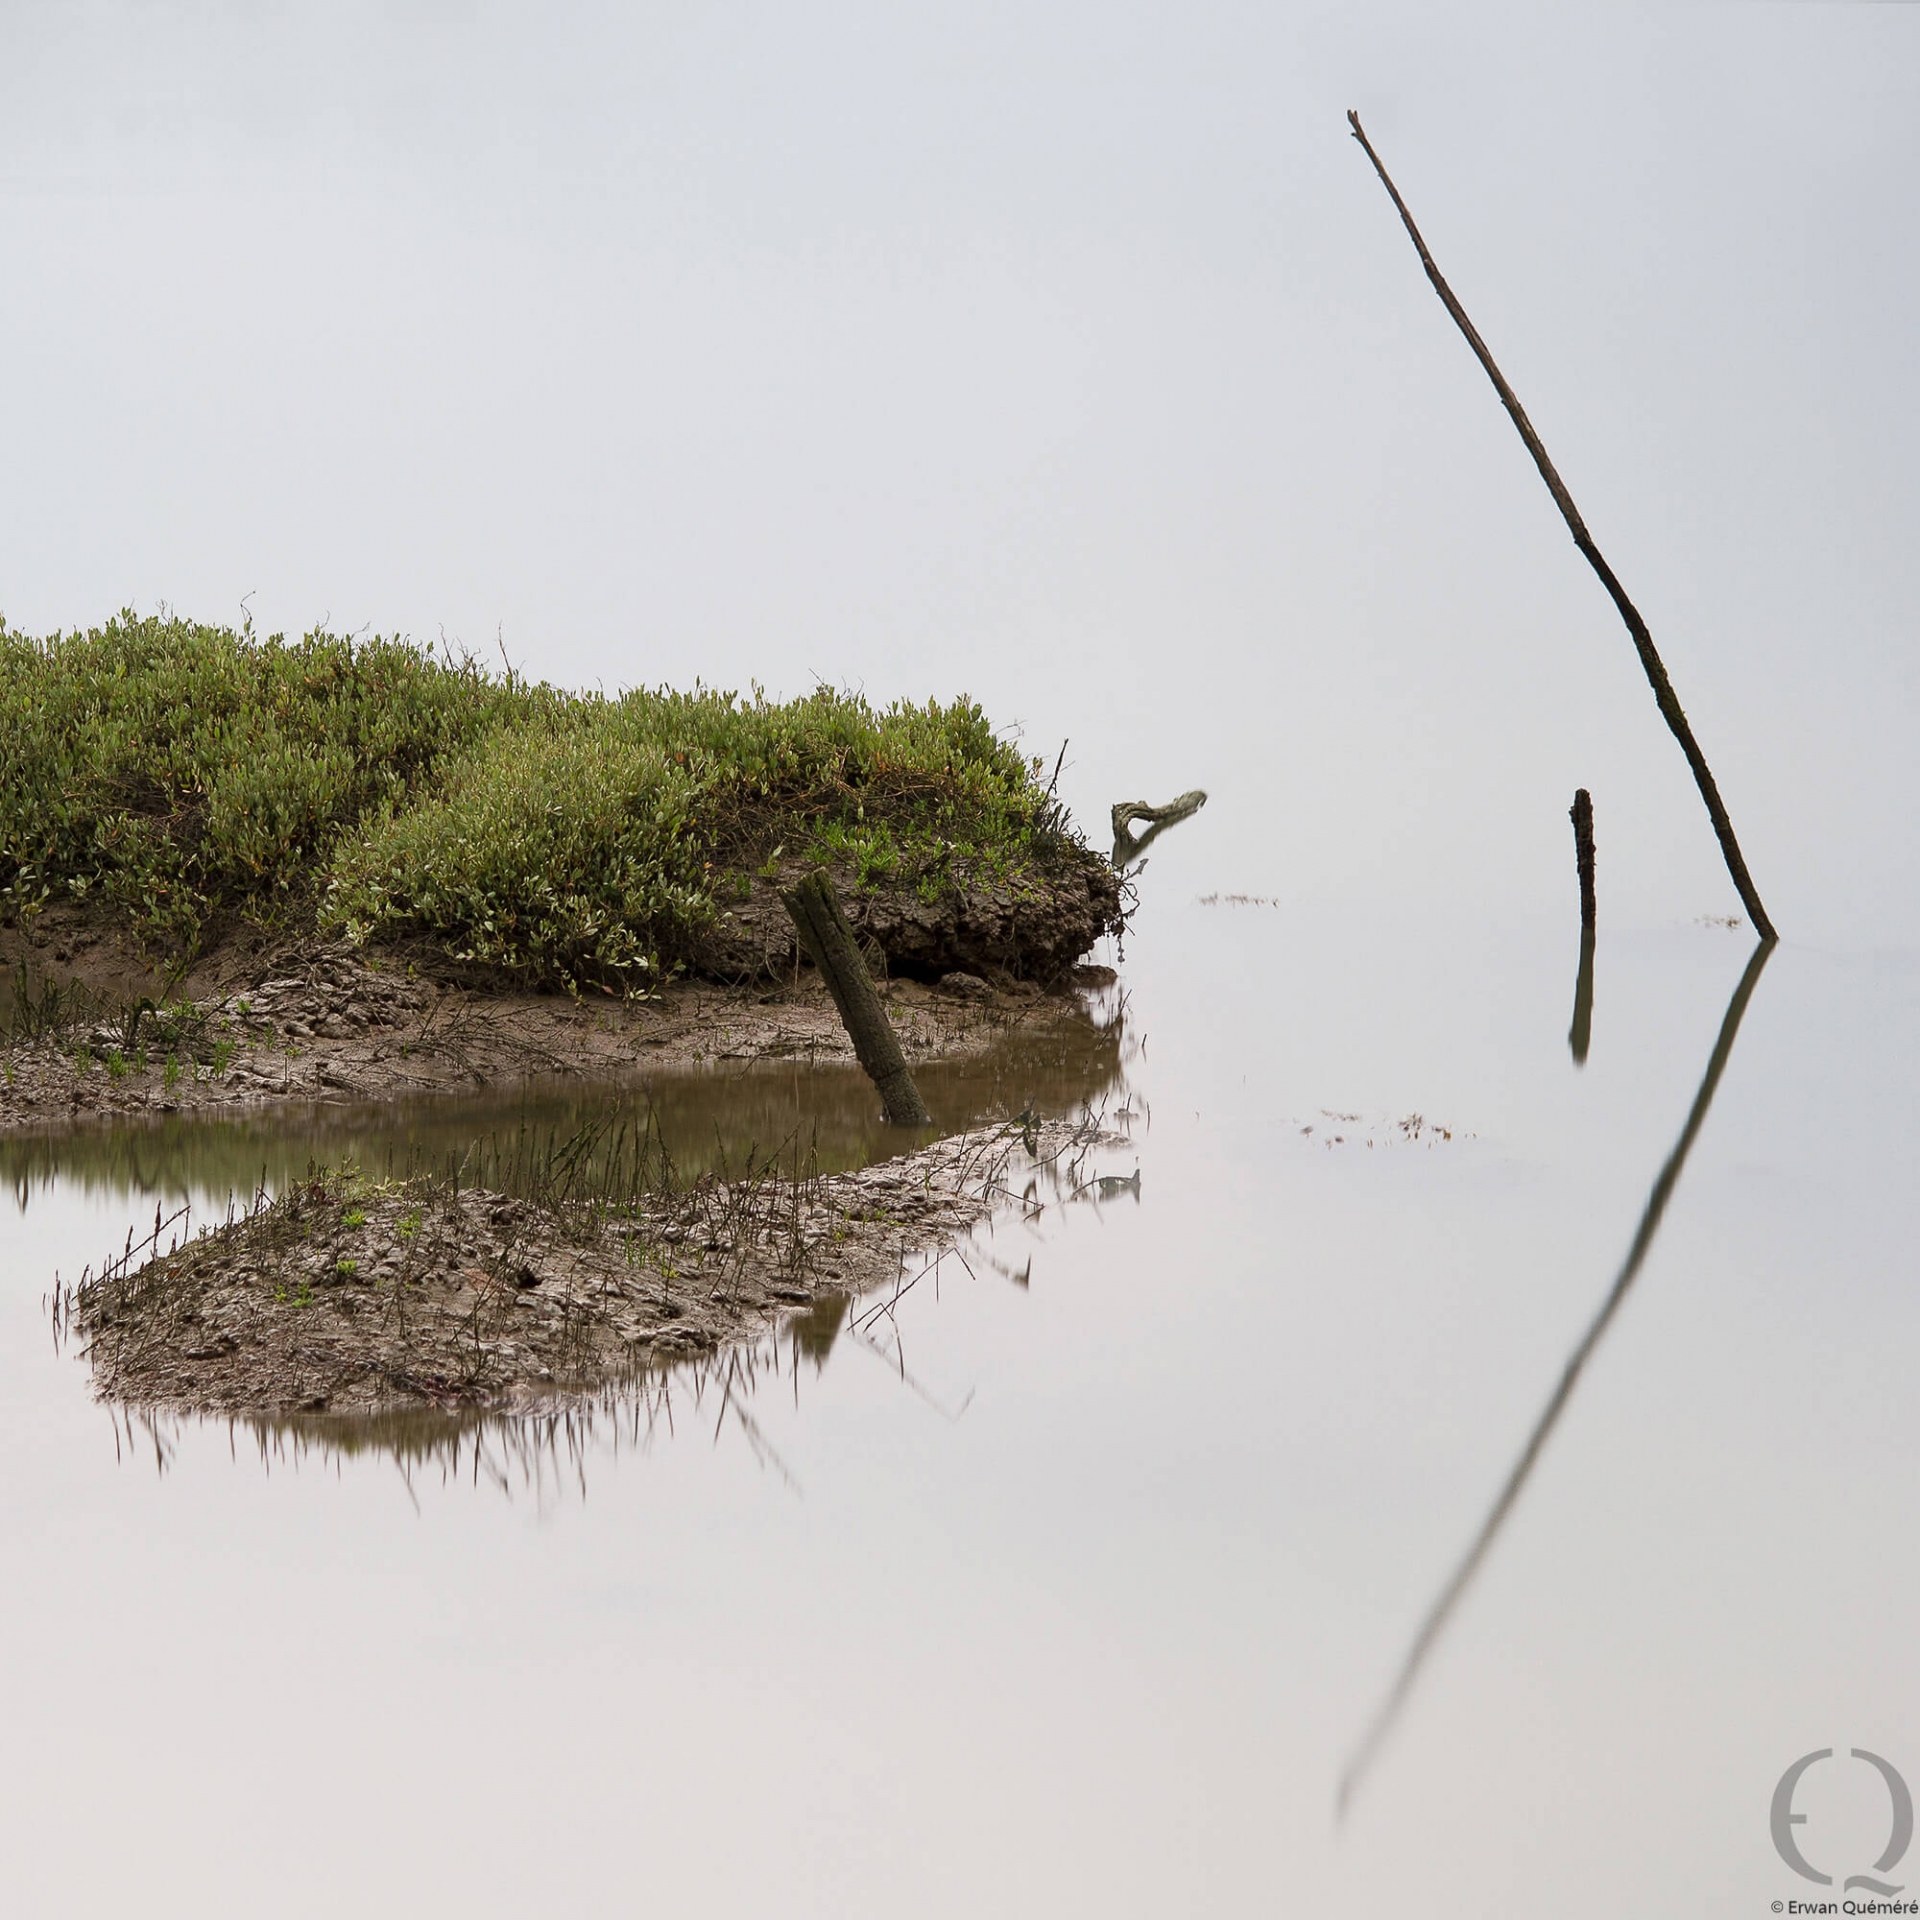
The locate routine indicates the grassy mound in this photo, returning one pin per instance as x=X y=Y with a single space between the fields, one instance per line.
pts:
x=190 y=774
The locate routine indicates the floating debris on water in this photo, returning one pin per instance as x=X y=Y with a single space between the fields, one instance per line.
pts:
x=1362 y=1130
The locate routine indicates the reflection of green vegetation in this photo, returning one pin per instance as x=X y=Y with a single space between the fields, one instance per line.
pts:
x=706 y=1120
x=187 y=772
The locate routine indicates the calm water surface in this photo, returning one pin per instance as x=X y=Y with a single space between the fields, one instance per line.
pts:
x=1091 y=1594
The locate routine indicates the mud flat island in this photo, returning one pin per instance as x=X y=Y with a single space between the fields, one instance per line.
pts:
x=236 y=870
x=236 y=874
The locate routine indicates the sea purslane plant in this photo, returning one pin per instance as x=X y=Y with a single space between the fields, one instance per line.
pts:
x=188 y=775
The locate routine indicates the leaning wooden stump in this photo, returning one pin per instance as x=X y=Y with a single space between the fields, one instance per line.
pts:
x=824 y=932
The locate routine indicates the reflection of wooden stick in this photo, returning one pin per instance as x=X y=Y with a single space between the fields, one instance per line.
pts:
x=1664 y=696
x=1442 y=1609
x=815 y=910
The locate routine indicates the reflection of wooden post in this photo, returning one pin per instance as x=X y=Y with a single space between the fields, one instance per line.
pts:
x=1581 y=814
x=1580 y=1034
x=815 y=911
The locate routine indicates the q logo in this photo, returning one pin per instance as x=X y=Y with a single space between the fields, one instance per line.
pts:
x=1783 y=1820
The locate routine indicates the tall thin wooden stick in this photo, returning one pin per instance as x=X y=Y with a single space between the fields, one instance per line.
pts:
x=1663 y=693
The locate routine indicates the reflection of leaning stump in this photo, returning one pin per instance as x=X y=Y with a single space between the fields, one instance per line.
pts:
x=1126 y=848
x=829 y=941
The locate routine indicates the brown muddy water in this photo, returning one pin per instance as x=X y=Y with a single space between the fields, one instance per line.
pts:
x=713 y=1120
x=1447 y=1477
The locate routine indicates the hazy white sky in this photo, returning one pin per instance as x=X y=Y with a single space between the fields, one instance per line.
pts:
x=1067 y=355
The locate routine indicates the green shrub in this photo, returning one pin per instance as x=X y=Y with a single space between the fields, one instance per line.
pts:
x=188 y=773
x=590 y=844
x=548 y=851
x=183 y=770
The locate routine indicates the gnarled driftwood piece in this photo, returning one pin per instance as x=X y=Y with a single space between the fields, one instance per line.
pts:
x=1128 y=848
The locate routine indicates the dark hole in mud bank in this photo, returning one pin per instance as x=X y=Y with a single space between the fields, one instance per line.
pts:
x=708 y=1120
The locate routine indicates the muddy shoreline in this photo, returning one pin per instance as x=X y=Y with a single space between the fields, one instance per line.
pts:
x=338 y=1023
x=358 y=1296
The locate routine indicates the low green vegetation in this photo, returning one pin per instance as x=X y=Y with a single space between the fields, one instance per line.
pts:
x=189 y=774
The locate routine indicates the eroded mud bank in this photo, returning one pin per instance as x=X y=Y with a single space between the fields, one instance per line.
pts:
x=345 y=1026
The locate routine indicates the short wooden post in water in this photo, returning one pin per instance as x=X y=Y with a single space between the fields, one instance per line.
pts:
x=1581 y=814
x=816 y=913
x=1580 y=1034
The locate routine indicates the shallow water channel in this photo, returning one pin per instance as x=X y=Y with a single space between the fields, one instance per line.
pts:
x=718 y=1120
x=1450 y=1478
